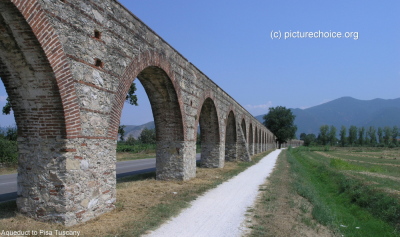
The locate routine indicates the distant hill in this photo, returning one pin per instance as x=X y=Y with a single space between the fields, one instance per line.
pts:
x=347 y=111
x=136 y=130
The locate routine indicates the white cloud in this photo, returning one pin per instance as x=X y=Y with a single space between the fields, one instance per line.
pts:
x=3 y=98
x=259 y=109
x=262 y=106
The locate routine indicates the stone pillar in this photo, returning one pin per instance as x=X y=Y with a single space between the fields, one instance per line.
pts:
x=242 y=147
x=67 y=181
x=176 y=160
x=211 y=155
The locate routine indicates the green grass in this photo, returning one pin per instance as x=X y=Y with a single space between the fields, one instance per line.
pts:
x=348 y=205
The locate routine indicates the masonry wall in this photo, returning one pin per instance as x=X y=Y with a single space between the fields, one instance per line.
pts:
x=88 y=53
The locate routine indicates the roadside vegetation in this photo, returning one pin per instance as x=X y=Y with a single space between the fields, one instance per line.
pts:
x=8 y=150
x=142 y=203
x=353 y=137
x=352 y=191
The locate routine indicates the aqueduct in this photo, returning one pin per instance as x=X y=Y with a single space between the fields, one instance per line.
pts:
x=67 y=66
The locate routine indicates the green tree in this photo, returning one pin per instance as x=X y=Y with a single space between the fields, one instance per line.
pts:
x=130 y=140
x=395 y=134
x=121 y=132
x=303 y=136
x=361 y=134
x=352 y=135
x=310 y=139
x=332 y=135
x=280 y=121
x=380 y=135
x=371 y=133
x=387 y=135
x=342 y=134
x=148 y=136
x=323 y=134
x=7 y=108
x=131 y=97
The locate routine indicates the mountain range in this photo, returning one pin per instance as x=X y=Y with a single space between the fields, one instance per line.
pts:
x=136 y=130
x=347 y=111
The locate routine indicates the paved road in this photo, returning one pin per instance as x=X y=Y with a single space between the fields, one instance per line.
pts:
x=8 y=182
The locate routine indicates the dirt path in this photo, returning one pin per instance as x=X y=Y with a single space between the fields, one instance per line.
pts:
x=221 y=211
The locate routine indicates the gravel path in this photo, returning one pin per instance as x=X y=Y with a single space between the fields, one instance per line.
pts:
x=221 y=211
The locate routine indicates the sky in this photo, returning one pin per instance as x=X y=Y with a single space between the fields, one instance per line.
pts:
x=233 y=43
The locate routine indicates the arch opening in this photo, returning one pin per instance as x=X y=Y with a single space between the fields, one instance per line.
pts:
x=210 y=136
x=172 y=161
x=230 y=138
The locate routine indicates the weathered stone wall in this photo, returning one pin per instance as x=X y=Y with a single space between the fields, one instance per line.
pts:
x=67 y=66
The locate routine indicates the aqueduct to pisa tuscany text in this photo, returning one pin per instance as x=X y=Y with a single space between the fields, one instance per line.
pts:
x=67 y=66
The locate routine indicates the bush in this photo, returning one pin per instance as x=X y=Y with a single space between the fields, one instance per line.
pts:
x=122 y=147
x=8 y=151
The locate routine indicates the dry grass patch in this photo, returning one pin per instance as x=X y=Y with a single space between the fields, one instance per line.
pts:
x=142 y=203
x=8 y=169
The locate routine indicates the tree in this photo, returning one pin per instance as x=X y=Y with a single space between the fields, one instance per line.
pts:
x=121 y=132
x=371 y=133
x=303 y=136
x=395 y=134
x=131 y=97
x=387 y=135
x=7 y=108
x=343 y=136
x=148 y=136
x=380 y=135
x=352 y=135
x=361 y=132
x=280 y=121
x=332 y=135
x=130 y=140
x=310 y=139
x=323 y=134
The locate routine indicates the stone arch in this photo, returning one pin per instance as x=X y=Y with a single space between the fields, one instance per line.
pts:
x=251 y=139
x=230 y=138
x=36 y=74
x=243 y=124
x=155 y=74
x=210 y=136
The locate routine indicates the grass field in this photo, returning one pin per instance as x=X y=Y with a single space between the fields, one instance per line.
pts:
x=352 y=191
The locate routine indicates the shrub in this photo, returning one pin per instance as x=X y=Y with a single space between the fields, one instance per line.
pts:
x=8 y=151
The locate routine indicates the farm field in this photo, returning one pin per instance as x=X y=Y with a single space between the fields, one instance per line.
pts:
x=351 y=191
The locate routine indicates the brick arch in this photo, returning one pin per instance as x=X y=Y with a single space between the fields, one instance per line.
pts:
x=154 y=72
x=210 y=135
x=146 y=65
x=230 y=137
x=35 y=30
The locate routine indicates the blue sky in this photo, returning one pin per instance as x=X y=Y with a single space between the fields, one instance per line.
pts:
x=230 y=42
